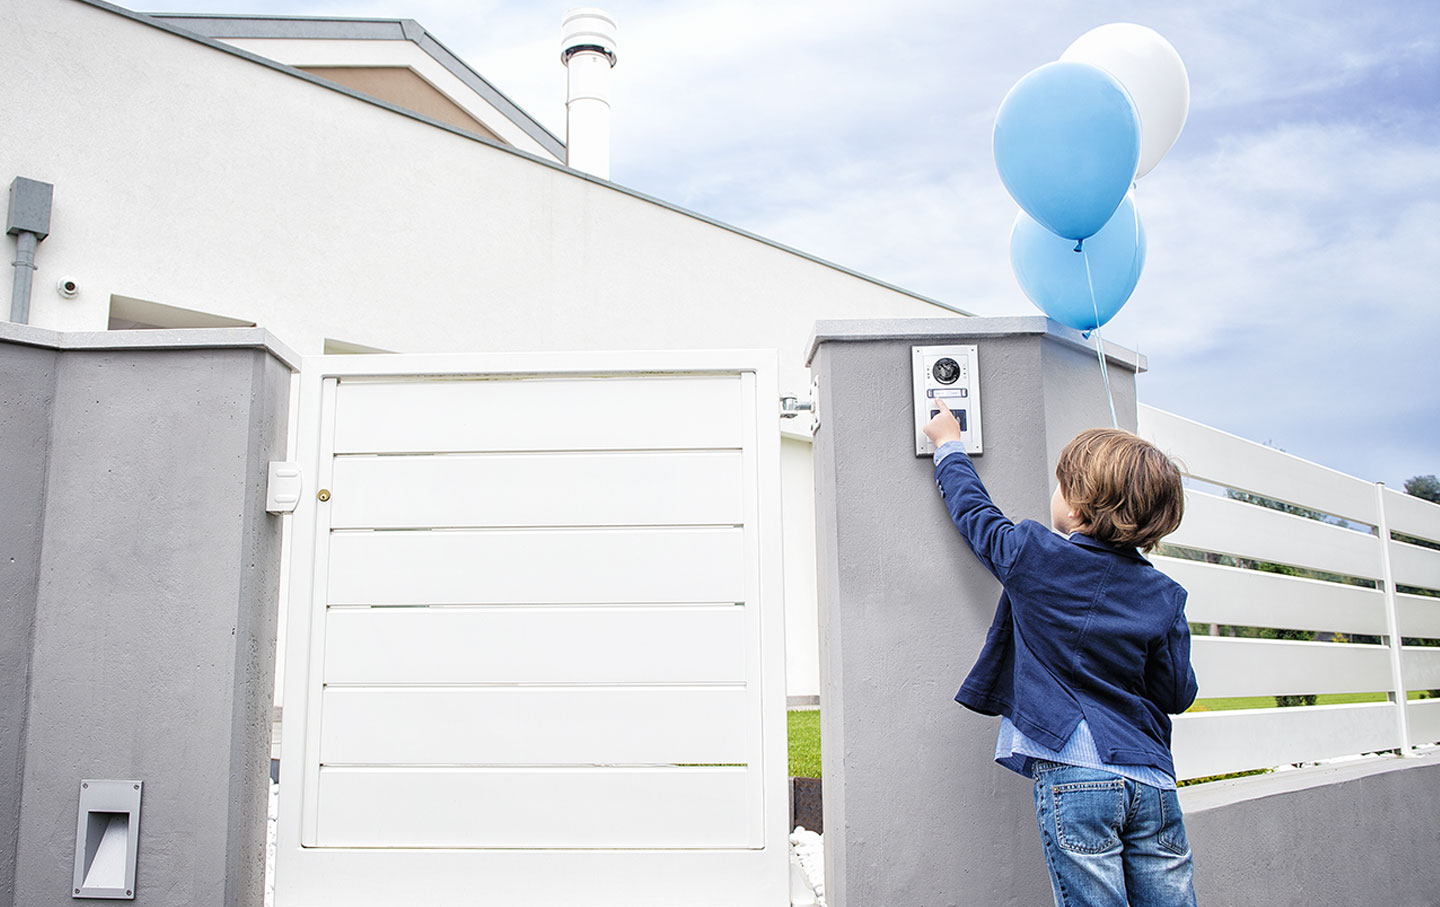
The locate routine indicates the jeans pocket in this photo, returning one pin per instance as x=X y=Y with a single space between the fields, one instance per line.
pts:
x=1089 y=815
x=1172 y=824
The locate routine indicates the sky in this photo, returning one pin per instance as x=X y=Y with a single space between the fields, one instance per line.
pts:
x=1291 y=293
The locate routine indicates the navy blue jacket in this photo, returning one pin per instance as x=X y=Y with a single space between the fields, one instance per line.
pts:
x=1083 y=629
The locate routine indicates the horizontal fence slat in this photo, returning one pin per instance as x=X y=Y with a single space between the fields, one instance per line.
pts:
x=1226 y=666
x=1217 y=524
x=1424 y=716
x=681 y=487
x=1413 y=565
x=613 y=807
x=1420 y=666
x=1411 y=515
x=657 y=644
x=568 y=566
x=1216 y=456
x=665 y=412
x=1419 y=615
x=1215 y=743
x=1253 y=598
x=521 y=726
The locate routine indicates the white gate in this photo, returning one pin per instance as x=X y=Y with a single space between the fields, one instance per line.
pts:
x=535 y=640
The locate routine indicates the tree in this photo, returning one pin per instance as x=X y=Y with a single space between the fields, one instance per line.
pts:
x=1427 y=487
x=1292 y=509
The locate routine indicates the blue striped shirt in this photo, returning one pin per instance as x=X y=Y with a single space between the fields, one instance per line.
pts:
x=1018 y=753
x=1015 y=751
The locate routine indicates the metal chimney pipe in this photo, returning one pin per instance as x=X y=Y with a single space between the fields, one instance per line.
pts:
x=587 y=48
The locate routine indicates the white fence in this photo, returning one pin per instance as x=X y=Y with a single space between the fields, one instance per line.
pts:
x=1347 y=585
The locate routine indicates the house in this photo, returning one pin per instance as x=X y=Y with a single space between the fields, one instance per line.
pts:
x=353 y=186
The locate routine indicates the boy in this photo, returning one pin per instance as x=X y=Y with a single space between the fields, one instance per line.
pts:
x=1088 y=652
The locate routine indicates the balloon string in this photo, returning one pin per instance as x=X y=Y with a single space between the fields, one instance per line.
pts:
x=1135 y=210
x=1099 y=343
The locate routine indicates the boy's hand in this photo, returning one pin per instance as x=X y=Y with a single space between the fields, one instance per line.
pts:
x=943 y=427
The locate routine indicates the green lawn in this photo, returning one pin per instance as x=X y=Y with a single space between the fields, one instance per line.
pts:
x=804 y=726
x=804 y=743
x=1268 y=702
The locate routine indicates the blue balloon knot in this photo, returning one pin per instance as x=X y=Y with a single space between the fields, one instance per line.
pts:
x=1079 y=245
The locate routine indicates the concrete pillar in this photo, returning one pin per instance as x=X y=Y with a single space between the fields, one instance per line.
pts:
x=916 y=811
x=147 y=568
x=27 y=390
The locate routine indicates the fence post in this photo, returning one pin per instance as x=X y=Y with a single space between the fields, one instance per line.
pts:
x=1392 y=623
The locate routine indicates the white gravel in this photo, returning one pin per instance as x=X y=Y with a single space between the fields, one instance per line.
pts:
x=807 y=851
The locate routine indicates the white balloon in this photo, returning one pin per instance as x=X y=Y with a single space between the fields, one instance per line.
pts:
x=1152 y=72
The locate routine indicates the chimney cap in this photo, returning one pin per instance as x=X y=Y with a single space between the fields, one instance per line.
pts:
x=587 y=28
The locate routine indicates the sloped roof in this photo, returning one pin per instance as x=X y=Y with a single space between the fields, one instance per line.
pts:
x=299 y=28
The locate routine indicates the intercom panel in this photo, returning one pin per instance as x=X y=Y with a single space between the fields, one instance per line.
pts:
x=949 y=373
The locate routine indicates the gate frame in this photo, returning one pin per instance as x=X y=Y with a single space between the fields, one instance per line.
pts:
x=534 y=876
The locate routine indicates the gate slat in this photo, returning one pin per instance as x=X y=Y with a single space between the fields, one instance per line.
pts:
x=680 y=487
x=630 y=413
x=694 y=644
x=565 y=726
x=518 y=808
x=555 y=566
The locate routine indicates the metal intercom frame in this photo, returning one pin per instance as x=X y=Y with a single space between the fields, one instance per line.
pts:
x=932 y=378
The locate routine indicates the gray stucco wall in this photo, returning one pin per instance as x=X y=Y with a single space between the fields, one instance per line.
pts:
x=1325 y=836
x=152 y=654
x=27 y=387
x=916 y=810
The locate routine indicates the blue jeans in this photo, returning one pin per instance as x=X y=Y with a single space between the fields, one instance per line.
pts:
x=1110 y=841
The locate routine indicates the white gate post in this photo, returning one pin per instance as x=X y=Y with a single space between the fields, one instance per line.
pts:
x=1392 y=623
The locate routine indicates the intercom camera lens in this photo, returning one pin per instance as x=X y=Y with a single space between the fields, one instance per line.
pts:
x=946 y=370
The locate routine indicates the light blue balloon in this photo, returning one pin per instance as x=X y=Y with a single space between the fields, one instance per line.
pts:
x=1067 y=142
x=1052 y=273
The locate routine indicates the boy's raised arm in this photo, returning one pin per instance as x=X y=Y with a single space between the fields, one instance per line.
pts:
x=990 y=534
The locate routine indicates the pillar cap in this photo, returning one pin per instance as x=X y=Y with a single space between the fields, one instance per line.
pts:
x=956 y=329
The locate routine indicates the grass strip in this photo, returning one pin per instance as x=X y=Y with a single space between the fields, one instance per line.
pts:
x=804 y=728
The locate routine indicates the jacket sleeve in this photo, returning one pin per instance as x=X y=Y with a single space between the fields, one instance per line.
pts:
x=989 y=533
x=1169 y=678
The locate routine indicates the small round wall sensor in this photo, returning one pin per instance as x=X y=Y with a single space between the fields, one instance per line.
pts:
x=68 y=287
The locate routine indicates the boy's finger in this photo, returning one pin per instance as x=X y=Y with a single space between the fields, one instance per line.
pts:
x=940 y=405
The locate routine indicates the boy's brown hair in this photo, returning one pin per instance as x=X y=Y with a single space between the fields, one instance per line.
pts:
x=1122 y=488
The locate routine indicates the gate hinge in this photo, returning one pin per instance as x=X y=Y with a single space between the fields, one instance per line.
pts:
x=791 y=405
x=282 y=492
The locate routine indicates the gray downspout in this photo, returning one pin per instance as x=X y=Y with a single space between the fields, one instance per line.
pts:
x=28 y=220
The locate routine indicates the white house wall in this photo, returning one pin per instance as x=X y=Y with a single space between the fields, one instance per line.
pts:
x=192 y=176
x=802 y=614
x=197 y=178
